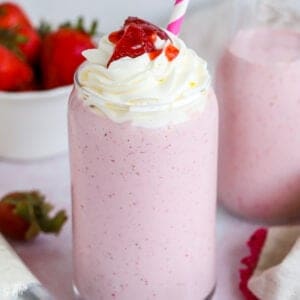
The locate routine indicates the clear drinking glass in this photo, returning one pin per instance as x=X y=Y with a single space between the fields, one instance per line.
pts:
x=143 y=204
x=258 y=90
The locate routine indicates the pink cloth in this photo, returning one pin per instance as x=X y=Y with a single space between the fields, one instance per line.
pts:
x=49 y=257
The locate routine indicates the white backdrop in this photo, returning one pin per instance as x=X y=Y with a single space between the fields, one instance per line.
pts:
x=111 y=13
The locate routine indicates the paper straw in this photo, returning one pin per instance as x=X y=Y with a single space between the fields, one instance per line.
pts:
x=177 y=16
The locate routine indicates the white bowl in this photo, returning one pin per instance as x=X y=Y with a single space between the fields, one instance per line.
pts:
x=33 y=125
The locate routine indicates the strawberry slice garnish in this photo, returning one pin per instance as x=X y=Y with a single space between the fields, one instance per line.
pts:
x=136 y=38
x=23 y=215
x=148 y=27
x=133 y=43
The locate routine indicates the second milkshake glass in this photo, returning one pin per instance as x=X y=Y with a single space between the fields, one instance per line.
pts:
x=143 y=199
x=259 y=95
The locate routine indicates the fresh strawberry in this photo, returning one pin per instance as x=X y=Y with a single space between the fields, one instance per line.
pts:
x=12 y=15
x=15 y=74
x=10 y=224
x=14 y=19
x=61 y=54
x=23 y=215
x=32 y=46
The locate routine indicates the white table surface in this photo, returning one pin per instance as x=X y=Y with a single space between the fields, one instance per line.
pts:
x=49 y=257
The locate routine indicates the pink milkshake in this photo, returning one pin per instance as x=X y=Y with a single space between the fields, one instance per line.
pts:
x=143 y=146
x=259 y=97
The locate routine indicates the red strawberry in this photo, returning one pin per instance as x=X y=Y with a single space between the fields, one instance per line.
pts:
x=14 y=19
x=12 y=15
x=10 y=224
x=61 y=54
x=15 y=74
x=24 y=215
x=32 y=46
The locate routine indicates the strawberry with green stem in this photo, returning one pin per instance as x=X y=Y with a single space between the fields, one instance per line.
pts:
x=15 y=74
x=23 y=215
x=11 y=15
x=15 y=21
x=61 y=53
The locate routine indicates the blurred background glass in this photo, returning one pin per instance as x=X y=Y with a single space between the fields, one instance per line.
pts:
x=257 y=85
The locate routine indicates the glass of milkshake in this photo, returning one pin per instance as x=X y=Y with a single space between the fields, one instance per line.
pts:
x=258 y=90
x=143 y=130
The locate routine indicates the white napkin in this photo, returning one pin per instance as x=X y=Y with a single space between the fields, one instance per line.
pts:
x=277 y=275
x=15 y=278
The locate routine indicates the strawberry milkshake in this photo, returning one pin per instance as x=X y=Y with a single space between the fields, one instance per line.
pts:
x=259 y=96
x=143 y=125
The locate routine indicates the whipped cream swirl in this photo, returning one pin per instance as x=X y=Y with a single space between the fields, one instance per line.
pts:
x=149 y=93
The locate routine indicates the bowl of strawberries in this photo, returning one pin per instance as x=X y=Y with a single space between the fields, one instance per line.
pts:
x=37 y=66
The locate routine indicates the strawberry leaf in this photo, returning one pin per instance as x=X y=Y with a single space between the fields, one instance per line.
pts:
x=32 y=207
x=33 y=231
x=54 y=224
x=80 y=26
x=44 y=28
x=11 y=39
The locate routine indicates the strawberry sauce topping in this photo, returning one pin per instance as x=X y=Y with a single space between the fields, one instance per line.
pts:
x=138 y=37
x=171 y=52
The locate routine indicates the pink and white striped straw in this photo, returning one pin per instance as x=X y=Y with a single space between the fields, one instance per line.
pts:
x=177 y=16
